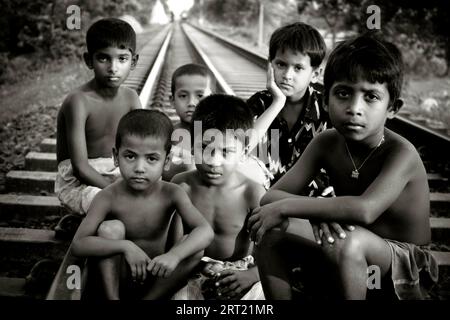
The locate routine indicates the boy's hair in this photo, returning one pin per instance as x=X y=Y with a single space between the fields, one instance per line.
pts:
x=110 y=32
x=144 y=123
x=298 y=37
x=223 y=112
x=192 y=69
x=367 y=57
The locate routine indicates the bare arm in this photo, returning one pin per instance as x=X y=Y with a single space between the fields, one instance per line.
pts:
x=264 y=121
x=396 y=172
x=365 y=209
x=201 y=234
x=75 y=118
x=300 y=175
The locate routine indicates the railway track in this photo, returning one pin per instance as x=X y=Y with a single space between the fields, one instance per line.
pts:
x=31 y=208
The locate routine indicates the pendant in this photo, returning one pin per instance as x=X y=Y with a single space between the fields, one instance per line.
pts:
x=355 y=174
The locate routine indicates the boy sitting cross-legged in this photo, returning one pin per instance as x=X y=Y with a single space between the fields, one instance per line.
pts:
x=380 y=183
x=140 y=207
x=88 y=118
x=225 y=197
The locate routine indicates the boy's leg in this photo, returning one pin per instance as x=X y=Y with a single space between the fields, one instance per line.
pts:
x=165 y=288
x=279 y=252
x=110 y=268
x=351 y=257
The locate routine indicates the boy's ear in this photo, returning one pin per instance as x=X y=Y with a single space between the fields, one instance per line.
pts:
x=393 y=109
x=134 y=61
x=316 y=74
x=325 y=103
x=88 y=60
x=168 y=161
x=116 y=156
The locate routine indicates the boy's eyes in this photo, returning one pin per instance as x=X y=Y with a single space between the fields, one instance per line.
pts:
x=152 y=158
x=102 y=58
x=345 y=94
x=342 y=94
x=184 y=95
x=283 y=65
x=372 y=97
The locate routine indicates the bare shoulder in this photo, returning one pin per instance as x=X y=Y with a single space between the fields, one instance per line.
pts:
x=172 y=191
x=253 y=192
x=131 y=96
x=109 y=193
x=74 y=101
x=186 y=178
x=327 y=138
x=128 y=92
x=325 y=141
x=397 y=147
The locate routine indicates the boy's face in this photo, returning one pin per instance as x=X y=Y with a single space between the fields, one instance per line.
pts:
x=141 y=161
x=111 y=65
x=293 y=73
x=358 y=110
x=217 y=158
x=189 y=90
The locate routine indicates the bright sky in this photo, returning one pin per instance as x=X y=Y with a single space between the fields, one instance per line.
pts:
x=178 y=6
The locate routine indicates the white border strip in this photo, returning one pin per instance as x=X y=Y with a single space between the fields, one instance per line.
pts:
x=147 y=89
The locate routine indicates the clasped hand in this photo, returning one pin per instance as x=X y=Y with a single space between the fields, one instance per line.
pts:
x=264 y=219
x=140 y=263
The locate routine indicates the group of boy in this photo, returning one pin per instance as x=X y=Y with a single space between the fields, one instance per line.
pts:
x=167 y=220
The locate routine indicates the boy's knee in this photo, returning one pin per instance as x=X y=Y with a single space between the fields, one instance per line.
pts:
x=111 y=229
x=348 y=249
x=270 y=240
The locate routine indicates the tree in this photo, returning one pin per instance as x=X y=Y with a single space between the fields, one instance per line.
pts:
x=416 y=25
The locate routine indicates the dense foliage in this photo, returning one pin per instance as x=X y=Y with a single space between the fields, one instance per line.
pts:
x=419 y=28
x=35 y=32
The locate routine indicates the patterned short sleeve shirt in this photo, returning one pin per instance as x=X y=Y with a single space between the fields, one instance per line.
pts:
x=312 y=120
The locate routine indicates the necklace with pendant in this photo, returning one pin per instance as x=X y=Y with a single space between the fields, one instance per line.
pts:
x=355 y=172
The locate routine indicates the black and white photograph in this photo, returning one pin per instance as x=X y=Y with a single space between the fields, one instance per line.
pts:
x=237 y=152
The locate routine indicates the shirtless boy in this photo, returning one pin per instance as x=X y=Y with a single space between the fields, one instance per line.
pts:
x=140 y=208
x=190 y=83
x=380 y=183
x=88 y=118
x=225 y=197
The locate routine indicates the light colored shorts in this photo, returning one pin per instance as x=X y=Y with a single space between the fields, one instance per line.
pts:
x=76 y=195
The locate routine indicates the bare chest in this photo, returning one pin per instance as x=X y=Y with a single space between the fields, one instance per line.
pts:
x=100 y=129
x=226 y=213
x=144 y=219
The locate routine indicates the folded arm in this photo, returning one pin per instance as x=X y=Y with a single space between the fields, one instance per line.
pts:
x=282 y=201
x=201 y=234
